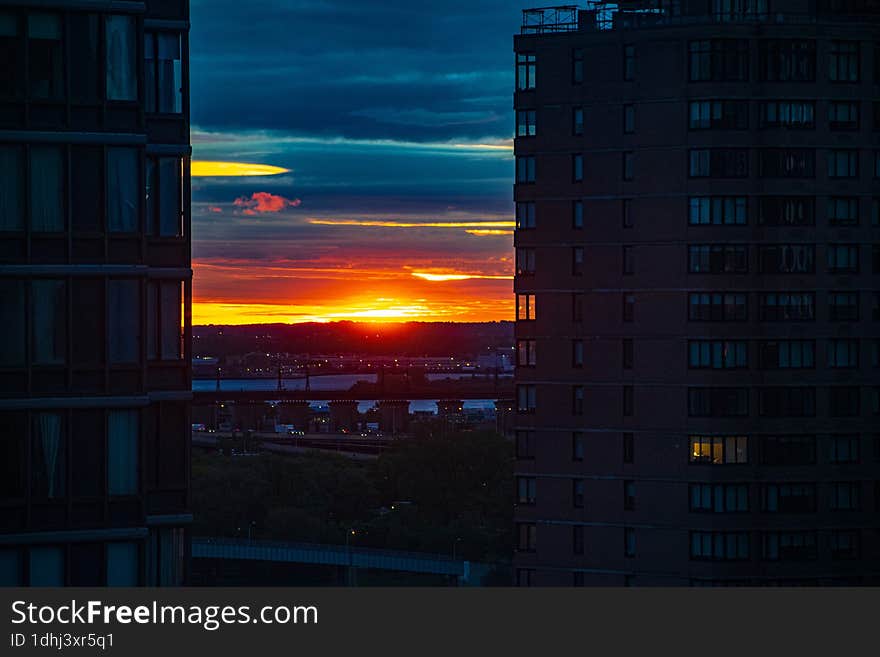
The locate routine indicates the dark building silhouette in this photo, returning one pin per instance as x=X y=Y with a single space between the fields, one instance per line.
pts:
x=697 y=286
x=95 y=287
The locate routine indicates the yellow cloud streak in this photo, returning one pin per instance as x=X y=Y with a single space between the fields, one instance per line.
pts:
x=442 y=278
x=484 y=233
x=208 y=169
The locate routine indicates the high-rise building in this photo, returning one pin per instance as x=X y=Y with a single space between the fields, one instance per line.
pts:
x=697 y=261
x=95 y=287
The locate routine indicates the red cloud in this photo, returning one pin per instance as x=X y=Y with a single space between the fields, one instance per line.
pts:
x=262 y=202
x=216 y=210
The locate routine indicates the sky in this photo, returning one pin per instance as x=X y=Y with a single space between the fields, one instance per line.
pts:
x=388 y=127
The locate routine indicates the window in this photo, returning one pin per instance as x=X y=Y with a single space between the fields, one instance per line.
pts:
x=577 y=353
x=577 y=580
x=843 y=61
x=164 y=196
x=525 y=353
x=787 y=163
x=736 y=10
x=843 y=354
x=718 y=402
x=525 y=169
x=719 y=60
x=528 y=533
x=629 y=449
x=49 y=322
x=13 y=455
x=47 y=189
x=577 y=543
x=525 y=262
x=525 y=124
x=525 y=445
x=123 y=190
x=577 y=168
x=163 y=73
x=846 y=496
x=577 y=400
x=876 y=164
x=718 y=354
x=577 y=121
x=164 y=320
x=719 y=115
x=626 y=212
x=789 y=546
x=845 y=544
x=845 y=449
x=787 y=60
x=46 y=566
x=718 y=211
x=525 y=216
x=875 y=258
x=719 y=163
x=123 y=565
x=628 y=257
x=11 y=568
x=787 y=354
x=123 y=447
x=719 y=450
x=577 y=307
x=843 y=211
x=628 y=164
x=795 y=114
x=787 y=211
x=719 y=498
x=45 y=48
x=788 y=498
x=843 y=115
x=525 y=307
x=526 y=398
x=577 y=215
x=792 y=401
x=789 y=450
x=629 y=542
x=577 y=493
x=525 y=71
x=843 y=306
x=629 y=401
x=629 y=63
x=48 y=457
x=628 y=359
x=788 y=307
x=844 y=401
x=629 y=119
x=526 y=487
x=12 y=318
x=577 y=446
x=577 y=66
x=11 y=54
x=787 y=259
x=124 y=318
x=11 y=184
x=629 y=308
x=120 y=52
x=629 y=496
x=719 y=546
x=843 y=164
x=717 y=307
x=577 y=261
x=718 y=259
x=524 y=577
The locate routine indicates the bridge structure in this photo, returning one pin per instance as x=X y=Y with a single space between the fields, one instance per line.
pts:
x=349 y=557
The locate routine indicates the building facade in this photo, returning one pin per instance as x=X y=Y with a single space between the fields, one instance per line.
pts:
x=95 y=288
x=697 y=293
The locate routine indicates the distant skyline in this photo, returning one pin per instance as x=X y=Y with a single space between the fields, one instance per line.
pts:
x=393 y=122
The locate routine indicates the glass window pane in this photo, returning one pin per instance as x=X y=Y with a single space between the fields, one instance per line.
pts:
x=44 y=56
x=120 y=58
x=46 y=566
x=49 y=322
x=122 y=454
x=11 y=189
x=122 y=564
x=10 y=568
x=170 y=73
x=169 y=197
x=48 y=458
x=46 y=189
x=123 y=197
x=12 y=319
x=125 y=321
x=171 y=312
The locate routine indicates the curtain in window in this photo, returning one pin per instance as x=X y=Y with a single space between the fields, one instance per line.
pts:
x=170 y=313
x=121 y=75
x=169 y=197
x=47 y=566
x=46 y=189
x=11 y=206
x=171 y=555
x=122 y=564
x=125 y=321
x=122 y=453
x=123 y=198
x=50 y=454
x=48 y=322
x=10 y=568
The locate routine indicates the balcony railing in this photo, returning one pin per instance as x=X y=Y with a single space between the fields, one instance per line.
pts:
x=545 y=20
